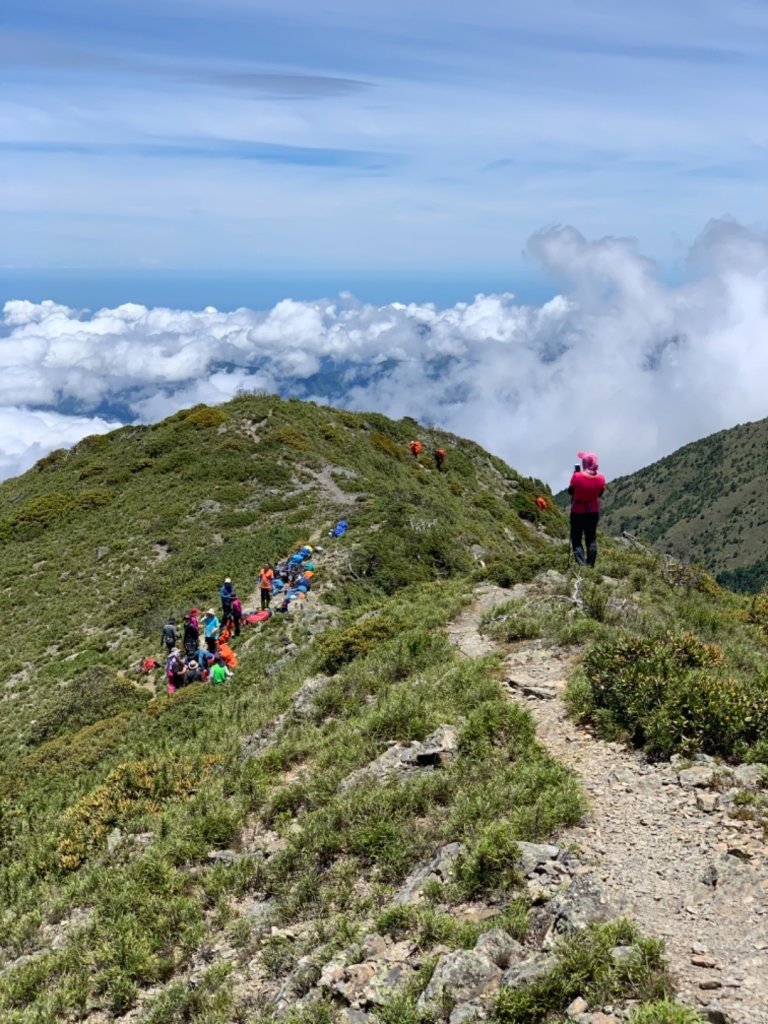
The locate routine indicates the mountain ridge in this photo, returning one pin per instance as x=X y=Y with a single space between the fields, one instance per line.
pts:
x=240 y=852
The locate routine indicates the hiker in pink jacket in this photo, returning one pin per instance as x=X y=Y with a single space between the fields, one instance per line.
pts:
x=585 y=488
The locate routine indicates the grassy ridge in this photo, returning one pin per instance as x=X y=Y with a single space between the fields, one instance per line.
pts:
x=99 y=544
x=112 y=795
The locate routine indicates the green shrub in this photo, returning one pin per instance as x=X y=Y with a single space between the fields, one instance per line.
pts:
x=130 y=789
x=671 y=692
x=664 y=1012
x=386 y=445
x=340 y=647
x=96 y=497
x=288 y=435
x=584 y=967
x=205 y=417
x=271 y=474
x=92 y=695
x=54 y=458
x=488 y=865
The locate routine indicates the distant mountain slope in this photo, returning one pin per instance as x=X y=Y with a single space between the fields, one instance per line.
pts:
x=705 y=502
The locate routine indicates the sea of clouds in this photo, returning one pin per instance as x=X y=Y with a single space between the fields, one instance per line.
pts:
x=619 y=361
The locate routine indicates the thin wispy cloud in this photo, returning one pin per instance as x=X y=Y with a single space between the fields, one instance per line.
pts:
x=465 y=127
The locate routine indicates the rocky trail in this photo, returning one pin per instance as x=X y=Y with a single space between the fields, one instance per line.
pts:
x=664 y=843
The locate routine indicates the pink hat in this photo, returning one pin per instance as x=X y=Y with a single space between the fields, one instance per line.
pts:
x=588 y=460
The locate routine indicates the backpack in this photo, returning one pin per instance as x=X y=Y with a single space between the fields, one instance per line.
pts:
x=237 y=608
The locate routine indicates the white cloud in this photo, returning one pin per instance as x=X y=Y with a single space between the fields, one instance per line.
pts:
x=620 y=362
x=28 y=434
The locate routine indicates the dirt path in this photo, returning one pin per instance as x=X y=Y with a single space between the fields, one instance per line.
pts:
x=666 y=854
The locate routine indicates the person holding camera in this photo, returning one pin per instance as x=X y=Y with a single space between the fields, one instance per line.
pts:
x=586 y=488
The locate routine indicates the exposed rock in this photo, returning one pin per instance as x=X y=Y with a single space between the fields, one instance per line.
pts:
x=529 y=690
x=365 y=984
x=620 y=954
x=459 y=977
x=499 y=947
x=714 y=1016
x=529 y=970
x=259 y=912
x=402 y=759
x=575 y=909
x=100 y=552
x=751 y=776
x=577 y=1007
x=698 y=777
x=114 y=839
x=302 y=707
x=438 y=869
x=355 y=1017
x=222 y=857
x=464 y=1013
x=532 y=855
x=707 y=802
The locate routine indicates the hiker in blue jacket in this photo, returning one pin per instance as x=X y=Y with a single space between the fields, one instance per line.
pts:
x=226 y=593
x=211 y=627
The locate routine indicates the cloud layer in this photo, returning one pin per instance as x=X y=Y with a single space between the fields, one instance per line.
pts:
x=618 y=362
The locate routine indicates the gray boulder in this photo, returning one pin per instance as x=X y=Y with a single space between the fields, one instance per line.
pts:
x=531 y=969
x=459 y=977
x=499 y=947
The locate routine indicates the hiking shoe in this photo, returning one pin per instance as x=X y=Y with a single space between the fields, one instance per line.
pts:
x=578 y=554
x=592 y=554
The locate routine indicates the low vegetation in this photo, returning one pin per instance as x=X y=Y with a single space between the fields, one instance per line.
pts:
x=115 y=799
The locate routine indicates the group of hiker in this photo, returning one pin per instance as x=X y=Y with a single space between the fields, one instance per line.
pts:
x=200 y=651
x=438 y=454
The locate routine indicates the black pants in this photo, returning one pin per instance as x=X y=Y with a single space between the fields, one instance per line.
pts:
x=266 y=596
x=584 y=525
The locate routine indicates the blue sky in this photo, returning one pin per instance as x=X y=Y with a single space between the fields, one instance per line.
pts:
x=342 y=136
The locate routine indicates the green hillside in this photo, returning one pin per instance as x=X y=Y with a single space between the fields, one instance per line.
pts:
x=705 y=503
x=157 y=850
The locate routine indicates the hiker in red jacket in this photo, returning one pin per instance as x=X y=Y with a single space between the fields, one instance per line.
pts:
x=585 y=488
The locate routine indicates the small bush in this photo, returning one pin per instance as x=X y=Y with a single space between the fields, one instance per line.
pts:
x=664 y=1012
x=54 y=458
x=132 y=788
x=339 y=648
x=204 y=417
x=386 y=445
x=290 y=436
x=585 y=967
x=671 y=693
x=488 y=865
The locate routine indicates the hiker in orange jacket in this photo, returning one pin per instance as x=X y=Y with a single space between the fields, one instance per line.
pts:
x=265 y=584
x=416 y=448
x=439 y=459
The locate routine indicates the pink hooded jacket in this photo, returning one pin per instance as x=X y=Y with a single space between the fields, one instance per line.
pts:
x=587 y=485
